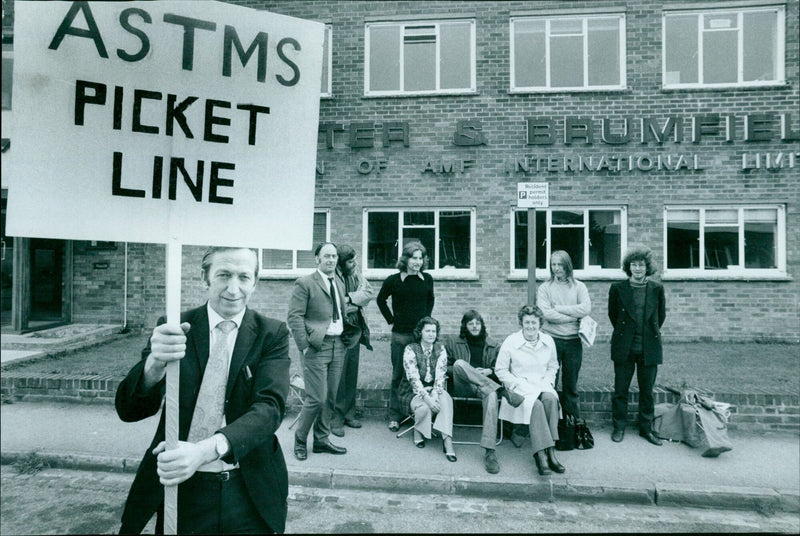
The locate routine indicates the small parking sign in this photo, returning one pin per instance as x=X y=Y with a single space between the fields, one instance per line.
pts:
x=533 y=195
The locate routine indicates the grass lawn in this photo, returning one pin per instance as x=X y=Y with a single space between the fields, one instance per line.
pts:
x=749 y=367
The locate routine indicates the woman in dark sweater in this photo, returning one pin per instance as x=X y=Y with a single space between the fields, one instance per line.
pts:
x=411 y=291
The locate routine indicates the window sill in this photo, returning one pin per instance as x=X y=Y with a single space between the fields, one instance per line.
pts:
x=723 y=276
x=536 y=91
x=464 y=93
x=284 y=275
x=437 y=275
x=726 y=87
x=615 y=275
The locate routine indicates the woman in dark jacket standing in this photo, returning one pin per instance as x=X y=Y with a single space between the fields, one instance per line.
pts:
x=637 y=309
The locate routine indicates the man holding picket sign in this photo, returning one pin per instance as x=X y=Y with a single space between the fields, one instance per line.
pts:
x=234 y=381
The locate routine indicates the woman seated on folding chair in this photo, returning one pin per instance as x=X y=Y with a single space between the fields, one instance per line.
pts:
x=527 y=365
x=422 y=388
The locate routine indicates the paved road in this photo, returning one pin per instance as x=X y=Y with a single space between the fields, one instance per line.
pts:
x=57 y=501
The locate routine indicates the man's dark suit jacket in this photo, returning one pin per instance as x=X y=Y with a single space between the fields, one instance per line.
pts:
x=255 y=400
x=620 y=311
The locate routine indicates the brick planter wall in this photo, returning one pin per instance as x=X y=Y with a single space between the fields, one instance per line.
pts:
x=750 y=412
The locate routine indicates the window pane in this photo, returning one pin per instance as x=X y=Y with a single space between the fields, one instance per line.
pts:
x=305 y=259
x=566 y=61
x=454 y=56
x=382 y=239
x=605 y=240
x=720 y=53
x=418 y=218
x=722 y=216
x=276 y=259
x=8 y=68
x=521 y=239
x=683 y=239
x=681 y=49
x=427 y=237
x=570 y=239
x=722 y=247
x=566 y=26
x=529 y=53
x=419 y=49
x=760 y=238
x=384 y=58
x=324 y=89
x=603 y=45
x=567 y=217
x=760 y=46
x=454 y=239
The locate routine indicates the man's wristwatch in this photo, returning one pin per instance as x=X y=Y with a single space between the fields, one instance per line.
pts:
x=221 y=445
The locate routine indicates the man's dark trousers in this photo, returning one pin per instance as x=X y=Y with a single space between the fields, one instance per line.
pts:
x=570 y=355
x=398 y=346
x=345 y=408
x=646 y=376
x=321 y=373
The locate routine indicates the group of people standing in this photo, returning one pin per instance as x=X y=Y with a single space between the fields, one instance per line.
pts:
x=234 y=377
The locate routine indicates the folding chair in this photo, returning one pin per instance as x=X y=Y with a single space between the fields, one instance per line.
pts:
x=473 y=400
x=409 y=419
x=298 y=388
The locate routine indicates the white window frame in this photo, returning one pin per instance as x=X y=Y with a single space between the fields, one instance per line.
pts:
x=732 y=272
x=282 y=273
x=329 y=60
x=433 y=257
x=588 y=273
x=584 y=88
x=436 y=23
x=701 y=14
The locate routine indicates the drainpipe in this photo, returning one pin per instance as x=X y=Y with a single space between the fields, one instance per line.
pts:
x=125 y=293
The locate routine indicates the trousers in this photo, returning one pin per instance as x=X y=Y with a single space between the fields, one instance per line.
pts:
x=322 y=370
x=570 y=355
x=646 y=377
x=423 y=419
x=544 y=422
x=398 y=346
x=345 y=407
x=468 y=382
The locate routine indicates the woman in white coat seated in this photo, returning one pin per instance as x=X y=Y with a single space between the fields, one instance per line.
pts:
x=527 y=366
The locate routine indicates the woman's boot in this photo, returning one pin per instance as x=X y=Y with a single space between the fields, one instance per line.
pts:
x=552 y=461
x=541 y=463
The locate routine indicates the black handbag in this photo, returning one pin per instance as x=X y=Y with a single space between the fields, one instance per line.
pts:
x=584 y=439
x=566 y=433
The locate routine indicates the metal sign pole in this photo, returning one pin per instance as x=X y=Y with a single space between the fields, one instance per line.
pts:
x=531 y=256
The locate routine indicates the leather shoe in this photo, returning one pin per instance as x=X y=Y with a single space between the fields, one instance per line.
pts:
x=617 y=435
x=490 y=462
x=300 y=449
x=328 y=447
x=553 y=462
x=394 y=426
x=651 y=437
x=352 y=423
x=541 y=463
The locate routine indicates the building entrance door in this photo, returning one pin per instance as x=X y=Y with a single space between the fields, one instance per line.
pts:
x=47 y=263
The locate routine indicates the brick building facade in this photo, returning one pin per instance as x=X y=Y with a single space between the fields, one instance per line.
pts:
x=649 y=145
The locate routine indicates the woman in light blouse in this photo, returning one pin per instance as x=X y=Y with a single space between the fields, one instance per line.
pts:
x=527 y=365
x=423 y=386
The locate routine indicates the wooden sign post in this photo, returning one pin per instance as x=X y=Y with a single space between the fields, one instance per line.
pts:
x=180 y=123
x=532 y=195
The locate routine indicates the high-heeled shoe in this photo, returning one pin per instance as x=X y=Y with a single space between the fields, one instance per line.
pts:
x=541 y=463
x=553 y=462
x=419 y=443
x=451 y=456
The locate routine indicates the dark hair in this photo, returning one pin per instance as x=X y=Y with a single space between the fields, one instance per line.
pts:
x=322 y=245
x=639 y=253
x=208 y=258
x=408 y=252
x=345 y=254
x=424 y=321
x=566 y=262
x=530 y=310
x=470 y=315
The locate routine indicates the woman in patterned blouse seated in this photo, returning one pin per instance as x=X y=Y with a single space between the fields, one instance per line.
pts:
x=422 y=389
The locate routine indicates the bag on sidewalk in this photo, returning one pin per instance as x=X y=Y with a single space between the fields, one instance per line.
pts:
x=584 y=440
x=566 y=433
x=696 y=420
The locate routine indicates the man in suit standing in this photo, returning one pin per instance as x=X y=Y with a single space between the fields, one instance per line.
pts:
x=357 y=295
x=234 y=380
x=637 y=309
x=316 y=319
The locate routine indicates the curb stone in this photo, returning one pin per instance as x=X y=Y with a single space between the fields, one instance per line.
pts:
x=659 y=494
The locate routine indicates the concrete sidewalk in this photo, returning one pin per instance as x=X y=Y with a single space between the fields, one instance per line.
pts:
x=762 y=472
